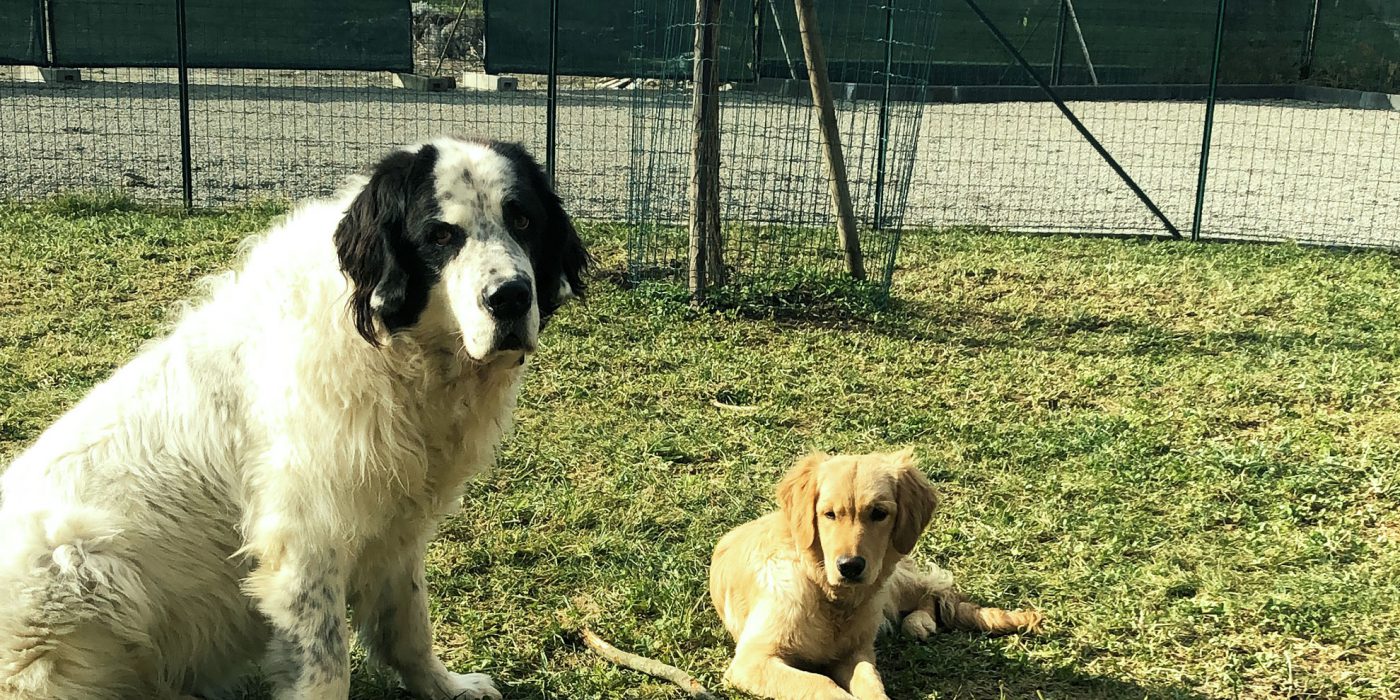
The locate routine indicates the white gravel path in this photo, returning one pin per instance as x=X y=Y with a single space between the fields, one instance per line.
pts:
x=1280 y=171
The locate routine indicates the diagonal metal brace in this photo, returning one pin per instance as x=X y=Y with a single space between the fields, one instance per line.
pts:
x=1078 y=125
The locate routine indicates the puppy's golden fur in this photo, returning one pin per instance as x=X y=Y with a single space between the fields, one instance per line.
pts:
x=804 y=590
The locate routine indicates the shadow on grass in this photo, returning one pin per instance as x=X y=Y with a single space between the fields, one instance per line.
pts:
x=1075 y=333
x=962 y=666
x=832 y=301
x=947 y=666
x=915 y=321
x=107 y=202
x=815 y=299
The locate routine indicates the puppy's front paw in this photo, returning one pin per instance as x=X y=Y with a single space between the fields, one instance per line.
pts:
x=919 y=625
x=471 y=686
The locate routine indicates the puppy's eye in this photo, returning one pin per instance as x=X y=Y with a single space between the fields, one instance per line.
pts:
x=443 y=235
x=520 y=222
x=830 y=515
x=878 y=514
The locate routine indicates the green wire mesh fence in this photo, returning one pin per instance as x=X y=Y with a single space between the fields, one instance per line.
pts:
x=775 y=205
x=1304 y=146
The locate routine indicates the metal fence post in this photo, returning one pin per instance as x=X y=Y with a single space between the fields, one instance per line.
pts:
x=1210 y=123
x=1309 y=44
x=757 y=39
x=182 y=62
x=884 y=140
x=1057 y=59
x=551 y=110
x=46 y=35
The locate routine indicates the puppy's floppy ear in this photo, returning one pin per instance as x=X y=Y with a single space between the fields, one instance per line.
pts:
x=366 y=239
x=797 y=498
x=916 y=501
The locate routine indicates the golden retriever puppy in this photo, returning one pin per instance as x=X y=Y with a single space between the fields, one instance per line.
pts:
x=804 y=590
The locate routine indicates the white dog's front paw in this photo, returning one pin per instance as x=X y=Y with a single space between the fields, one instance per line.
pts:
x=471 y=686
x=919 y=625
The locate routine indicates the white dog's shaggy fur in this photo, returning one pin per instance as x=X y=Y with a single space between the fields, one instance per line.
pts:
x=287 y=451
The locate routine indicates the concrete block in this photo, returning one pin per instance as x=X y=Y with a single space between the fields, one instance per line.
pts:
x=424 y=83
x=52 y=76
x=486 y=81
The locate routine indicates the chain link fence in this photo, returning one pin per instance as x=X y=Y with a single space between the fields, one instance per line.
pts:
x=943 y=127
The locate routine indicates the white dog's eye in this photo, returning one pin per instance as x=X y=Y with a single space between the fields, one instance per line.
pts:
x=516 y=216
x=442 y=235
x=878 y=514
x=831 y=515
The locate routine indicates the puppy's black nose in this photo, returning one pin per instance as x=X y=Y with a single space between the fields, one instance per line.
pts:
x=510 y=300
x=850 y=567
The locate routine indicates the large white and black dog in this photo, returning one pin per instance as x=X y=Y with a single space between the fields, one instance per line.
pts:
x=286 y=453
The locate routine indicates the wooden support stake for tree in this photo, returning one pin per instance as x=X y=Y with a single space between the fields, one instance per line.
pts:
x=830 y=137
x=706 y=247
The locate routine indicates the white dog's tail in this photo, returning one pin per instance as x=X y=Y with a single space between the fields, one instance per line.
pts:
x=68 y=598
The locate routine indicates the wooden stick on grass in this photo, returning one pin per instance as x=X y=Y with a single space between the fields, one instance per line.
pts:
x=651 y=667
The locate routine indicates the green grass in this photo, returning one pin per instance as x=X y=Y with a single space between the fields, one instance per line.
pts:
x=1185 y=455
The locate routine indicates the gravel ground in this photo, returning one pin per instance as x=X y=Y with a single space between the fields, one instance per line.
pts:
x=1280 y=171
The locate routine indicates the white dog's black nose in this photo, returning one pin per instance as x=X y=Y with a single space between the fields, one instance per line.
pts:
x=510 y=300
x=850 y=567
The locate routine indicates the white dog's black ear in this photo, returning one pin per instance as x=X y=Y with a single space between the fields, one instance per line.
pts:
x=915 y=502
x=571 y=259
x=561 y=259
x=372 y=243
